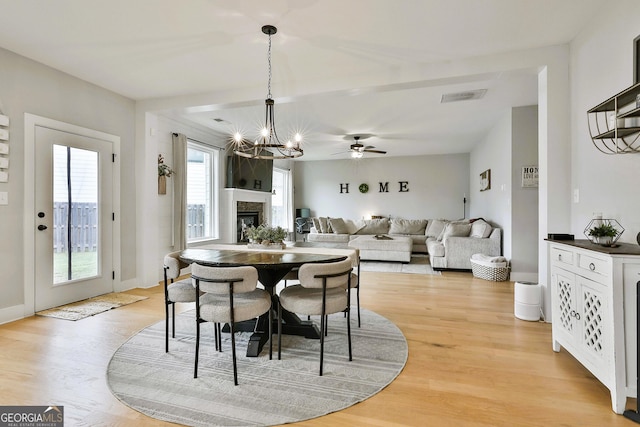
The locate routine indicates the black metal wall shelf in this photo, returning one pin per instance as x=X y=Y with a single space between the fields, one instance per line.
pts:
x=604 y=123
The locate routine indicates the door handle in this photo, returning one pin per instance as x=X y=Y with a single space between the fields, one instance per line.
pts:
x=42 y=227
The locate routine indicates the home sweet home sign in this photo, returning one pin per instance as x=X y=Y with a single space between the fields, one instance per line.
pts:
x=383 y=187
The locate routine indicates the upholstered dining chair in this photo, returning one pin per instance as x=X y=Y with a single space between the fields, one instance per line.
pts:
x=324 y=289
x=182 y=291
x=230 y=295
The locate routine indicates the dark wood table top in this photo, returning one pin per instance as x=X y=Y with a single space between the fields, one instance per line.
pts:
x=259 y=259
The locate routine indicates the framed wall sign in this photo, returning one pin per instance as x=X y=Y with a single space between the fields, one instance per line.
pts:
x=485 y=180
x=529 y=176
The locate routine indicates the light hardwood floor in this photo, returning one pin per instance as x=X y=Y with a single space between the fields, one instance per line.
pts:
x=471 y=362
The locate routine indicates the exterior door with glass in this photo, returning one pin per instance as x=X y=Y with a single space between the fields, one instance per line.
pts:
x=74 y=217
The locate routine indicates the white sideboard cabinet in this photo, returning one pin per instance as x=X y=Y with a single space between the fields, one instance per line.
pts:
x=593 y=297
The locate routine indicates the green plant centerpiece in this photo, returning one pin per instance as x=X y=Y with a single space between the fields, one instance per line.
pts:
x=264 y=236
x=604 y=231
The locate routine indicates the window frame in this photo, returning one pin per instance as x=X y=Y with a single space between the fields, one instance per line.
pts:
x=288 y=198
x=214 y=190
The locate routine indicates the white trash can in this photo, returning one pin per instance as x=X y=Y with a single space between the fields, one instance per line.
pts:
x=527 y=301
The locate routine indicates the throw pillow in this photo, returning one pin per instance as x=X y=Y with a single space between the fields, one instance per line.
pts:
x=338 y=226
x=436 y=227
x=480 y=229
x=456 y=230
x=375 y=226
x=325 y=227
x=408 y=226
x=316 y=224
x=352 y=227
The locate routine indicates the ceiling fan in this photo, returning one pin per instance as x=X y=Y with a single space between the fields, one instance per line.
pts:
x=357 y=149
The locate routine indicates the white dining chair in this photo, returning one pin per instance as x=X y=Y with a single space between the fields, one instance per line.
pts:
x=324 y=288
x=229 y=295
x=182 y=291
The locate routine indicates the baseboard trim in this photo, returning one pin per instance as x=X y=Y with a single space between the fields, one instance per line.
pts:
x=11 y=314
x=126 y=285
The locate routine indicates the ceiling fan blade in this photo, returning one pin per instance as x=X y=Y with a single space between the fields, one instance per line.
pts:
x=375 y=151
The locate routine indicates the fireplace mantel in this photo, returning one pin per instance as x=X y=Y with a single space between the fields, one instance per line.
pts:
x=235 y=195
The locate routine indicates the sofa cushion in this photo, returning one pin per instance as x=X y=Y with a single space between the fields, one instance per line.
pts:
x=338 y=226
x=435 y=248
x=457 y=230
x=408 y=226
x=436 y=226
x=375 y=226
x=480 y=229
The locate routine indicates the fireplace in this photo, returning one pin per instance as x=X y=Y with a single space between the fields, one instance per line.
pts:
x=244 y=205
x=246 y=219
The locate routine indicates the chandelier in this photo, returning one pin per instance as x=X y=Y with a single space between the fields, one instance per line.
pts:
x=268 y=145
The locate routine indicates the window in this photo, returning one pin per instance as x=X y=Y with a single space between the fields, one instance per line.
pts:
x=202 y=193
x=281 y=199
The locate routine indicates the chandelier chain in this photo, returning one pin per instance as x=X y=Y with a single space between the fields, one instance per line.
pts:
x=269 y=61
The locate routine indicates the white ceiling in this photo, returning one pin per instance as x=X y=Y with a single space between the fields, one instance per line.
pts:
x=146 y=49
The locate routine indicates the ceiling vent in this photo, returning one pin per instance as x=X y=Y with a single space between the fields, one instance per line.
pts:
x=463 y=96
x=219 y=120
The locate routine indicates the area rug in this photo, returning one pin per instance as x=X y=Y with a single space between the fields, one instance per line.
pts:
x=270 y=392
x=92 y=306
x=419 y=265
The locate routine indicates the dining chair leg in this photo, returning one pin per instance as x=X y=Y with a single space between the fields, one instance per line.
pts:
x=358 y=299
x=215 y=335
x=166 y=327
x=219 y=337
x=195 y=366
x=279 y=331
x=233 y=354
x=323 y=325
x=173 y=320
x=349 y=331
x=270 y=334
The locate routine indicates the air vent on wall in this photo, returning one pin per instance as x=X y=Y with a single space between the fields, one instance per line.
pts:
x=463 y=96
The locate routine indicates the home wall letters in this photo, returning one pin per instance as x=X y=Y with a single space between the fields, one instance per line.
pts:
x=383 y=187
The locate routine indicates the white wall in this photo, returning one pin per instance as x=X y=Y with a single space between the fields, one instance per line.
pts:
x=601 y=66
x=524 y=200
x=494 y=152
x=29 y=87
x=436 y=187
x=511 y=144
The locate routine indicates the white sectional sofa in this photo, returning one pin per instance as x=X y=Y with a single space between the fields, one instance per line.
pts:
x=449 y=244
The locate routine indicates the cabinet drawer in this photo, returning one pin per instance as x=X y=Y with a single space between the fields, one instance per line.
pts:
x=562 y=256
x=594 y=265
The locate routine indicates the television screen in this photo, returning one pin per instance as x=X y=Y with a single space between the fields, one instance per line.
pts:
x=249 y=174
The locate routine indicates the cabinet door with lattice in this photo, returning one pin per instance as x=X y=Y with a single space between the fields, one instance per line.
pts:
x=595 y=324
x=564 y=308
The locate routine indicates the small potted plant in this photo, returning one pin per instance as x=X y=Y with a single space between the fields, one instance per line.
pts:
x=604 y=233
x=266 y=236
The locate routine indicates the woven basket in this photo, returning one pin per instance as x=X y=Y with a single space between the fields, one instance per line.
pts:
x=495 y=274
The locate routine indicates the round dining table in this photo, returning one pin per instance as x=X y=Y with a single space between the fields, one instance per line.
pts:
x=272 y=267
